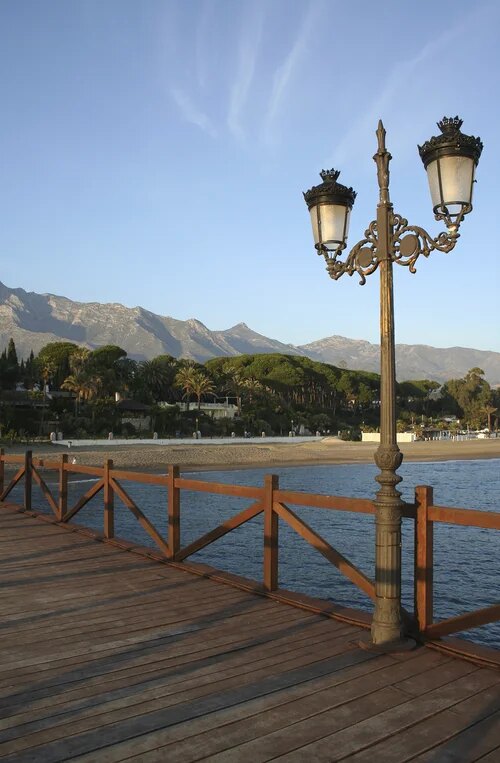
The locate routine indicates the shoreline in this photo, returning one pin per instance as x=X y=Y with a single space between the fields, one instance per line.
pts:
x=211 y=456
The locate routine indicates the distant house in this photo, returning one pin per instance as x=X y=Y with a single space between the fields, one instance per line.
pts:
x=219 y=410
x=135 y=413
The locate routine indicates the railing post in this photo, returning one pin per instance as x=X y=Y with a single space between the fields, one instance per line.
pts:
x=174 y=512
x=424 y=564
x=28 y=478
x=2 y=471
x=109 y=501
x=62 y=505
x=271 y=483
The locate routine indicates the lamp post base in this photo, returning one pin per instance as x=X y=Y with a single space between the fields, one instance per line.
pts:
x=390 y=647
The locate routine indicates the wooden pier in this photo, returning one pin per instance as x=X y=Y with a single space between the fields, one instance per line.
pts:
x=114 y=652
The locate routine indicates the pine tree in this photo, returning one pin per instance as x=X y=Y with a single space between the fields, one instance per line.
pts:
x=12 y=354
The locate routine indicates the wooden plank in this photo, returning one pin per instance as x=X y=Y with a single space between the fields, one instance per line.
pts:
x=61 y=674
x=124 y=679
x=343 y=730
x=173 y=512
x=239 y=491
x=49 y=466
x=246 y=724
x=469 y=745
x=141 y=518
x=344 y=566
x=15 y=479
x=319 y=501
x=464 y=622
x=271 y=545
x=28 y=466
x=406 y=744
x=161 y=682
x=218 y=532
x=109 y=500
x=11 y=459
x=63 y=488
x=45 y=490
x=142 y=477
x=424 y=558
x=95 y=471
x=490 y=520
x=85 y=498
x=91 y=728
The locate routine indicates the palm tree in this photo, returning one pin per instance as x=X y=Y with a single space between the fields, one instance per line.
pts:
x=83 y=385
x=78 y=359
x=253 y=387
x=201 y=384
x=155 y=376
x=185 y=379
x=489 y=410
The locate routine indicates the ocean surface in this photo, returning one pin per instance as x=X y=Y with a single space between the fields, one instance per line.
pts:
x=466 y=560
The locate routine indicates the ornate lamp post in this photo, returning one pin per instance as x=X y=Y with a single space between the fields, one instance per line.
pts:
x=450 y=160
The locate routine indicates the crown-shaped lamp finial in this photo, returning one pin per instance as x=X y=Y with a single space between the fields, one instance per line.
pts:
x=329 y=176
x=450 y=125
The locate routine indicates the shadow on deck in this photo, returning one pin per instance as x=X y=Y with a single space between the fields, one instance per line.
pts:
x=110 y=656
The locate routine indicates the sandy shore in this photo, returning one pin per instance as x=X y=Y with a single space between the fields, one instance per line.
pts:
x=214 y=456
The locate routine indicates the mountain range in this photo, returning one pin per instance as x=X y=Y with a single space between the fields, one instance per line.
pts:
x=33 y=320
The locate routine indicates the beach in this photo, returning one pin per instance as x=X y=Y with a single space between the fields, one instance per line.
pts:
x=212 y=456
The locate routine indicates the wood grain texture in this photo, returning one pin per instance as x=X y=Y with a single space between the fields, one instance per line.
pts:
x=109 y=656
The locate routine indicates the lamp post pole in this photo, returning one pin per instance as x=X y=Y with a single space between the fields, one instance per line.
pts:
x=386 y=624
x=450 y=160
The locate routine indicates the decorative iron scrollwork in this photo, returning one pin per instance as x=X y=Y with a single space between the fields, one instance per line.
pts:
x=362 y=258
x=407 y=243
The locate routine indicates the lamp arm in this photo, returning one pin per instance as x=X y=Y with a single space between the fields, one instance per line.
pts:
x=362 y=258
x=407 y=243
x=410 y=241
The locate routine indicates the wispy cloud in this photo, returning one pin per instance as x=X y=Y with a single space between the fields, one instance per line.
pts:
x=390 y=94
x=191 y=113
x=285 y=71
x=247 y=61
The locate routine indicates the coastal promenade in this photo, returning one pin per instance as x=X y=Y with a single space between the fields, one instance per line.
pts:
x=109 y=656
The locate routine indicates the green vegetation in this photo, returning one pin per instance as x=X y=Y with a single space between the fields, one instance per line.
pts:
x=89 y=393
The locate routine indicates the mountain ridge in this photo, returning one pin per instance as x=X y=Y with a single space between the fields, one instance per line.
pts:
x=33 y=320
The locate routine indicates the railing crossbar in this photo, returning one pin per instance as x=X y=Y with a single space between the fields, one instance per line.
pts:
x=488 y=520
x=141 y=518
x=15 y=479
x=347 y=568
x=85 y=498
x=45 y=490
x=464 y=622
x=219 y=488
x=218 y=532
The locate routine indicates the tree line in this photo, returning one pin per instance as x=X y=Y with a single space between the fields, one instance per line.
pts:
x=75 y=389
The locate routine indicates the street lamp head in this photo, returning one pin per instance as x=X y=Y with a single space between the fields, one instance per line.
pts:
x=450 y=160
x=330 y=205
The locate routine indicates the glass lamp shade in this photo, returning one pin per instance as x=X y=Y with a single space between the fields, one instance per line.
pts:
x=330 y=207
x=330 y=224
x=450 y=160
x=451 y=180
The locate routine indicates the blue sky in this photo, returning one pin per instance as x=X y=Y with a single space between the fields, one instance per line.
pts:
x=155 y=152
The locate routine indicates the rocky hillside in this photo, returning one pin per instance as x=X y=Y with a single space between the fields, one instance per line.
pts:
x=413 y=361
x=33 y=320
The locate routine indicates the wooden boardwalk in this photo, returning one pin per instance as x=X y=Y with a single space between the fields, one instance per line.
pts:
x=110 y=656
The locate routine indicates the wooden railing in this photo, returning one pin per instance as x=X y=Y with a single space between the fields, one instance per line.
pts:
x=274 y=504
x=426 y=514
